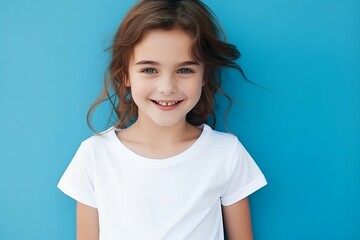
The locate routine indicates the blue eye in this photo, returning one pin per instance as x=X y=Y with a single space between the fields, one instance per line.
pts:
x=185 y=71
x=149 y=71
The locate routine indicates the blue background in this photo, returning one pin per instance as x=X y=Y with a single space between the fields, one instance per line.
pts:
x=303 y=130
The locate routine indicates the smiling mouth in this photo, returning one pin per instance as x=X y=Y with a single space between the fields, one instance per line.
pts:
x=166 y=103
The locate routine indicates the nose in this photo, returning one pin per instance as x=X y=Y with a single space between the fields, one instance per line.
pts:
x=166 y=85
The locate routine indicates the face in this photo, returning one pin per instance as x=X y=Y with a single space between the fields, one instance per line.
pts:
x=165 y=80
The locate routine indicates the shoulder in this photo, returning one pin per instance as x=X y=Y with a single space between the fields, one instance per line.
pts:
x=221 y=139
x=226 y=143
x=98 y=142
x=96 y=149
x=99 y=138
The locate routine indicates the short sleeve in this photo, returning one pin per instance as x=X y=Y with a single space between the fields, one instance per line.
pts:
x=78 y=180
x=245 y=179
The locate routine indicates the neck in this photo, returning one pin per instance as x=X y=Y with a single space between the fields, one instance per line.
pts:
x=154 y=141
x=162 y=134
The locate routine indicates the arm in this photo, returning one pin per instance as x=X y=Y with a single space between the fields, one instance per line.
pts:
x=87 y=222
x=237 y=221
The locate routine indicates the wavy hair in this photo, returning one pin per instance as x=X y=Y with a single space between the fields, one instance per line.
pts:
x=209 y=47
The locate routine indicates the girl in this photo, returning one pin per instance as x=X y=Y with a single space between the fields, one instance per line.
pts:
x=161 y=172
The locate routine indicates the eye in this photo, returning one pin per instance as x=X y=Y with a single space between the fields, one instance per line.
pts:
x=149 y=71
x=185 y=71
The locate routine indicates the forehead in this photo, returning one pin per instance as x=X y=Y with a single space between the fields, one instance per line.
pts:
x=164 y=46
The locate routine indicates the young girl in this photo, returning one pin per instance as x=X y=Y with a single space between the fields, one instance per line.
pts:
x=161 y=172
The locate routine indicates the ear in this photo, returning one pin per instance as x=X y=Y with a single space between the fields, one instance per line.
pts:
x=127 y=82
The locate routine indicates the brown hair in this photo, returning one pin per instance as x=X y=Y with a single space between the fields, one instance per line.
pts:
x=210 y=47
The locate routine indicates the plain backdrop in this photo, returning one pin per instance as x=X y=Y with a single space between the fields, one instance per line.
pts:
x=303 y=128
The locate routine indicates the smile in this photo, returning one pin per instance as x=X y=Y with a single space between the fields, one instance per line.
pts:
x=166 y=104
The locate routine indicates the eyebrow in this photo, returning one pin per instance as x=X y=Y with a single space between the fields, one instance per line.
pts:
x=148 y=62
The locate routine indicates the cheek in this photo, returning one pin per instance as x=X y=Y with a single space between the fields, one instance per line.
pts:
x=194 y=90
x=140 y=89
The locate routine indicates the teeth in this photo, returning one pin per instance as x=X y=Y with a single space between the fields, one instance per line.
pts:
x=166 y=104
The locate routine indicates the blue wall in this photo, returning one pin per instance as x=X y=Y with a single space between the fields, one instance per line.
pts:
x=303 y=130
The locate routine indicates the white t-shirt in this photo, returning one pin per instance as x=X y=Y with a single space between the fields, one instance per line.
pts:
x=150 y=199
